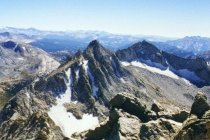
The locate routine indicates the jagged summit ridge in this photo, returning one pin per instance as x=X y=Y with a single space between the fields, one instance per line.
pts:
x=194 y=70
x=89 y=83
x=142 y=51
x=94 y=43
x=96 y=49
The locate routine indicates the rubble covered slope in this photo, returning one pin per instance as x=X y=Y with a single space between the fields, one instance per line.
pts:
x=98 y=94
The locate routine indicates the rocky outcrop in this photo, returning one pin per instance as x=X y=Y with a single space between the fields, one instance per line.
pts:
x=142 y=51
x=126 y=123
x=20 y=60
x=151 y=55
x=37 y=127
x=181 y=116
x=25 y=117
x=76 y=109
x=55 y=83
x=159 y=129
x=118 y=126
x=11 y=88
x=131 y=105
x=200 y=105
x=177 y=116
x=197 y=126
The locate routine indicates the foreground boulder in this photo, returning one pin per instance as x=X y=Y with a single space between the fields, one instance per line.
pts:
x=132 y=105
x=200 y=105
x=38 y=127
x=160 y=129
x=197 y=126
x=130 y=119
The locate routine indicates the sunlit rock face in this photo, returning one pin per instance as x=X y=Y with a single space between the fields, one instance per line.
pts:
x=195 y=70
x=20 y=60
x=95 y=95
x=197 y=126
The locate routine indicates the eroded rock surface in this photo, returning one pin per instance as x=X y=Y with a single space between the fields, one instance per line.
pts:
x=124 y=124
x=197 y=126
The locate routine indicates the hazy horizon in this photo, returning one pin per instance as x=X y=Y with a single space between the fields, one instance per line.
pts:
x=151 y=18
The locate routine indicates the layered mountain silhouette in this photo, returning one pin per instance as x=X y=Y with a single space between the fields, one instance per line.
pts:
x=195 y=70
x=136 y=93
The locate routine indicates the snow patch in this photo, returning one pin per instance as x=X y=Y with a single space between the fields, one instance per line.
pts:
x=20 y=58
x=186 y=81
x=27 y=95
x=122 y=80
x=125 y=63
x=182 y=74
x=36 y=80
x=154 y=64
x=173 y=122
x=85 y=65
x=77 y=74
x=166 y=72
x=66 y=120
x=24 y=48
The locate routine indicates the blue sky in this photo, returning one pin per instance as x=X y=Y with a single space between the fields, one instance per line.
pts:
x=172 y=18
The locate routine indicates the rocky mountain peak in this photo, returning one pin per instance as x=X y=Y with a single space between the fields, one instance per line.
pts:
x=96 y=49
x=142 y=51
x=94 y=43
x=17 y=48
x=9 y=44
x=146 y=46
x=193 y=69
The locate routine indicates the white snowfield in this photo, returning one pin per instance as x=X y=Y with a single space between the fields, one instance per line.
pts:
x=184 y=72
x=166 y=72
x=65 y=120
x=208 y=63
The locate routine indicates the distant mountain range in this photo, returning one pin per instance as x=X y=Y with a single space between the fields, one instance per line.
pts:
x=52 y=41
x=187 y=46
x=71 y=41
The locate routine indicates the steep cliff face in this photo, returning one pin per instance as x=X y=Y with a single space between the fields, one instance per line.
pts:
x=142 y=51
x=103 y=70
x=82 y=94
